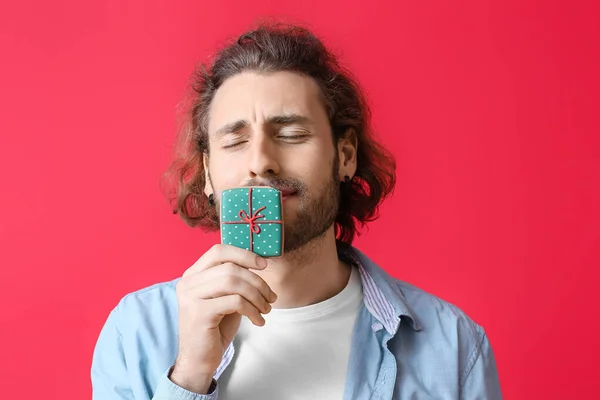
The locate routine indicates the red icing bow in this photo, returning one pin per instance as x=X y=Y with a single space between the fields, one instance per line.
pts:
x=255 y=228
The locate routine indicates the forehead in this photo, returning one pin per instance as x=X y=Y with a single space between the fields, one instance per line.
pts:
x=255 y=97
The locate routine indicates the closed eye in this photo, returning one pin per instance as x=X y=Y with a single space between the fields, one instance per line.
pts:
x=230 y=146
x=293 y=137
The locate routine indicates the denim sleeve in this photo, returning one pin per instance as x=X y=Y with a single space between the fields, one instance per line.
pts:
x=109 y=370
x=167 y=390
x=480 y=378
x=110 y=379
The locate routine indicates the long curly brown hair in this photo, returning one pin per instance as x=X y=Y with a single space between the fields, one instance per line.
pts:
x=270 y=48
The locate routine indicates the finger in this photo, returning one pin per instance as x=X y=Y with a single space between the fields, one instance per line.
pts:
x=230 y=285
x=225 y=270
x=235 y=303
x=221 y=253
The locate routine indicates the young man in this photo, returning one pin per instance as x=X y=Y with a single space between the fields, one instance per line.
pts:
x=322 y=321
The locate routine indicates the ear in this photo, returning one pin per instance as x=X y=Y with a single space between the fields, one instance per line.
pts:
x=347 y=148
x=208 y=189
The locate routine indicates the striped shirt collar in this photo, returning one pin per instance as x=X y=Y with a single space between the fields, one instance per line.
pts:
x=382 y=297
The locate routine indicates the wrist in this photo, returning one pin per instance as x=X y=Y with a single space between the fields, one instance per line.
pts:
x=193 y=381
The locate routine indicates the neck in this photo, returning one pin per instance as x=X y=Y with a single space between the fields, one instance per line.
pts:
x=308 y=275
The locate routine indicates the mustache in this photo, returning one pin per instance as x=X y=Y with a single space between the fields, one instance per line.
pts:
x=279 y=183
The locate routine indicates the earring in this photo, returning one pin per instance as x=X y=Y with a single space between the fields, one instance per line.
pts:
x=346 y=179
x=211 y=199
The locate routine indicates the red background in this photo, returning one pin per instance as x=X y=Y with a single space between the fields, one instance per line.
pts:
x=490 y=107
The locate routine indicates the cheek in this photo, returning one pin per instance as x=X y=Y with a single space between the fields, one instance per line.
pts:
x=224 y=173
x=311 y=158
x=315 y=175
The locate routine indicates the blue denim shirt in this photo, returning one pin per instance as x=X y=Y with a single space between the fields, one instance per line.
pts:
x=407 y=344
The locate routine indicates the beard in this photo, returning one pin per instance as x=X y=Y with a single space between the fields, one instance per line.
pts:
x=316 y=213
x=317 y=210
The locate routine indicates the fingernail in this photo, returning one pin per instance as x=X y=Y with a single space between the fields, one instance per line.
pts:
x=273 y=297
x=261 y=262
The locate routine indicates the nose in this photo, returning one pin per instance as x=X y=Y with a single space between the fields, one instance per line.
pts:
x=263 y=160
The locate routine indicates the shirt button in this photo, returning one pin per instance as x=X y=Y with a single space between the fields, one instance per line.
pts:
x=377 y=327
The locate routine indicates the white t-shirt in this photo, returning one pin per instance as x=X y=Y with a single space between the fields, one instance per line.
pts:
x=300 y=353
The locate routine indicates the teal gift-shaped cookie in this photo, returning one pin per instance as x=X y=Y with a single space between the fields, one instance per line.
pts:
x=251 y=218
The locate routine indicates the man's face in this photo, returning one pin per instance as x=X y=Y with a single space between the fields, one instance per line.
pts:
x=273 y=130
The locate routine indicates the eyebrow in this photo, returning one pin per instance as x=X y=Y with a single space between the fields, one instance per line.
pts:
x=287 y=119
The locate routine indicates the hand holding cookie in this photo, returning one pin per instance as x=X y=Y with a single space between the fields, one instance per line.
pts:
x=212 y=296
